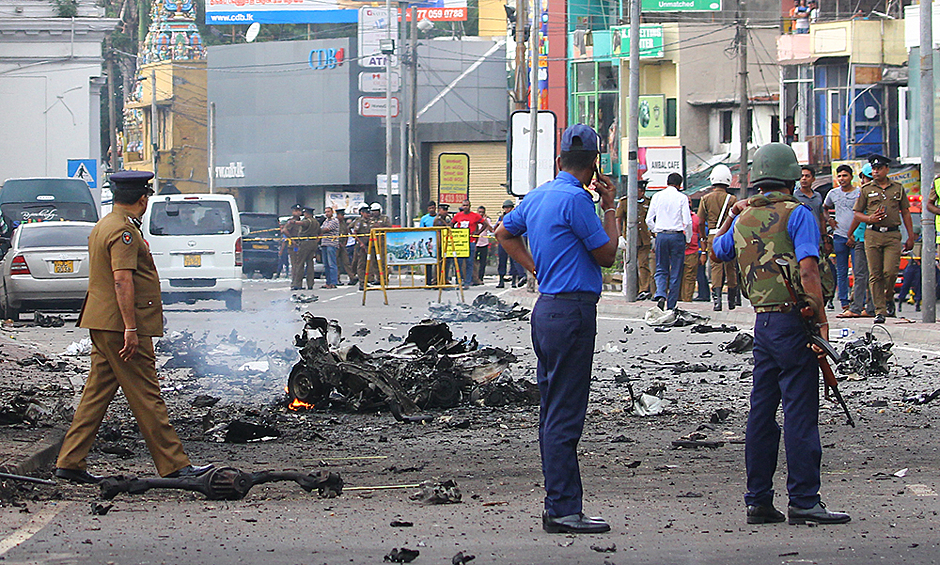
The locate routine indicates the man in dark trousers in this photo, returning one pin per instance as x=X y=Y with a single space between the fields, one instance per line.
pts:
x=123 y=314
x=569 y=246
x=770 y=226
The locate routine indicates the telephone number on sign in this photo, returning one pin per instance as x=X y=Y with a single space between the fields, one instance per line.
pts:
x=443 y=14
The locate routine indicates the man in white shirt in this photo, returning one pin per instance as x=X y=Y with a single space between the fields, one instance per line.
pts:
x=670 y=220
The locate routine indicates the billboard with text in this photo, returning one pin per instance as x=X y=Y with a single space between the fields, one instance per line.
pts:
x=247 y=12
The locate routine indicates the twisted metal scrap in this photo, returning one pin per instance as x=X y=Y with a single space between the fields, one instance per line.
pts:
x=224 y=483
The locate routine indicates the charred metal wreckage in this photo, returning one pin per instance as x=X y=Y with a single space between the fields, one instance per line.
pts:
x=430 y=369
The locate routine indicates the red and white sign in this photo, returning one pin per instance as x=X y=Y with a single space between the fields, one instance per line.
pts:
x=375 y=82
x=436 y=14
x=374 y=107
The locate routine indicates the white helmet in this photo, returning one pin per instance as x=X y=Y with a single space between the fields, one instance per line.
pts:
x=721 y=174
x=376 y=207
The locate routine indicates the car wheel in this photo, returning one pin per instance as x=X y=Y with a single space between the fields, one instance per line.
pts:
x=234 y=301
x=269 y=274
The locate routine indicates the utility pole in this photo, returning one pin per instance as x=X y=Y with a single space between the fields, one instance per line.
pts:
x=744 y=125
x=403 y=184
x=112 y=114
x=211 y=151
x=633 y=148
x=534 y=92
x=154 y=123
x=519 y=84
x=389 y=51
x=928 y=227
x=413 y=109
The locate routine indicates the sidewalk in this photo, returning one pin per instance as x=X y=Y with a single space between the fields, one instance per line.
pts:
x=613 y=303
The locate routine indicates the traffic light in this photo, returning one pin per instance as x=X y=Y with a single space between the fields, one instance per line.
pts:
x=511 y=16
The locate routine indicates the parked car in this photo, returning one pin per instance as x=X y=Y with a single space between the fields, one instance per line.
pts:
x=261 y=243
x=29 y=200
x=196 y=243
x=46 y=268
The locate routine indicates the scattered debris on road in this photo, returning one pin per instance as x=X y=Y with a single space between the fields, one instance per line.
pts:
x=866 y=356
x=224 y=483
x=484 y=308
x=78 y=348
x=742 y=343
x=48 y=320
x=403 y=555
x=445 y=492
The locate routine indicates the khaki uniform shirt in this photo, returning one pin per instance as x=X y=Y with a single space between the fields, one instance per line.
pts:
x=643 y=230
x=710 y=207
x=893 y=198
x=361 y=228
x=309 y=228
x=116 y=244
x=381 y=222
x=294 y=228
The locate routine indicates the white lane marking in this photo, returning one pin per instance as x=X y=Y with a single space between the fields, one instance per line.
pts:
x=916 y=350
x=35 y=524
x=348 y=294
x=617 y=318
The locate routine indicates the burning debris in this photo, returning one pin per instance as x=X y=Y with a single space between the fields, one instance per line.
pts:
x=485 y=308
x=866 y=356
x=224 y=483
x=430 y=369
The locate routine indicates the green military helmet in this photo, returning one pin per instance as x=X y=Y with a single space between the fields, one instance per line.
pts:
x=775 y=161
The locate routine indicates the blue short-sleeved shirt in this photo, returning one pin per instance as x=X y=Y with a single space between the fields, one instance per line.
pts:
x=802 y=228
x=563 y=228
x=427 y=221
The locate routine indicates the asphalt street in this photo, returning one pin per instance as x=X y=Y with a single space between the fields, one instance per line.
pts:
x=665 y=505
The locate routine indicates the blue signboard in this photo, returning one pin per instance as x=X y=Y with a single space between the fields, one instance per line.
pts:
x=85 y=169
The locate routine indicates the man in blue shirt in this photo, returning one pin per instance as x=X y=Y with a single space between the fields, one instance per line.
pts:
x=760 y=231
x=569 y=246
x=427 y=221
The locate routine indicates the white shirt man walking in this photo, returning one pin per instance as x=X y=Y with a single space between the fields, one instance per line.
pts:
x=670 y=220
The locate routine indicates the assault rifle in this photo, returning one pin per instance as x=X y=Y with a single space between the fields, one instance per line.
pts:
x=812 y=332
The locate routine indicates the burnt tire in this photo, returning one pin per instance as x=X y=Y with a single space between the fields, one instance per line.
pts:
x=306 y=385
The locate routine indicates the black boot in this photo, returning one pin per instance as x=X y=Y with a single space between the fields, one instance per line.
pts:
x=501 y=283
x=716 y=299
x=732 y=297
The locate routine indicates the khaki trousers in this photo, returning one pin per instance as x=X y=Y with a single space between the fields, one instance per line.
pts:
x=138 y=379
x=345 y=262
x=722 y=270
x=302 y=261
x=689 y=277
x=883 y=251
x=643 y=268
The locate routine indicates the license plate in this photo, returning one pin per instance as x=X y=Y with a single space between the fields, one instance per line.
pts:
x=256 y=246
x=192 y=260
x=63 y=267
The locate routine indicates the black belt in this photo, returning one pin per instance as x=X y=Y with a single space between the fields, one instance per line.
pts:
x=576 y=296
x=884 y=229
x=671 y=231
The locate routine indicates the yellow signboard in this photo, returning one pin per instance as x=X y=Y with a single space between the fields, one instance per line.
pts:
x=458 y=245
x=453 y=177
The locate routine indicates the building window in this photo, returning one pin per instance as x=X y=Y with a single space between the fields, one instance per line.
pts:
x=672 y=117
x=726 y=118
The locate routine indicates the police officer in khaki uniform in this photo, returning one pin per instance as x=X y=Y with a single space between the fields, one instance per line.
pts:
x=123 y=313
x=292 y=230
x=882 y=204
x=309 y=242
x=644 y=241
x=713 y=209
x=362 y=229
x=343 y=258
x=379 y=220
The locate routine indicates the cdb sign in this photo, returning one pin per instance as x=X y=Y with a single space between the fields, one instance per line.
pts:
x=321 y=59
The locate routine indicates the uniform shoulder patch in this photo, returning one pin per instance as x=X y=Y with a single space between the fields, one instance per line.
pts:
x=127 y=238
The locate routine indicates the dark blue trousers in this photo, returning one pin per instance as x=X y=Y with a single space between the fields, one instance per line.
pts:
x=670 y=255
x=785 y=370
x=563 y=337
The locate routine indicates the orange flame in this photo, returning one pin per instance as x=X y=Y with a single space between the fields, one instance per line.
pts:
x=297 y=405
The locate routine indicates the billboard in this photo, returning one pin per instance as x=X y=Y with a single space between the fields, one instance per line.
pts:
x=453 y=177
x=247 y=12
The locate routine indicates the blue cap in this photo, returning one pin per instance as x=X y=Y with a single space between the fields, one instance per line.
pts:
x=130 y=180
x=866 y=170
x=580 y=137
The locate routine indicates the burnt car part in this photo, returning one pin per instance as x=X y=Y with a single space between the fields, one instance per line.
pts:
x=866 y=356
x=224 y=483
x=24 y=479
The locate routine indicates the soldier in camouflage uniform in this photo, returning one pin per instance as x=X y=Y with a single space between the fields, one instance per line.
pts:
x=767 y=227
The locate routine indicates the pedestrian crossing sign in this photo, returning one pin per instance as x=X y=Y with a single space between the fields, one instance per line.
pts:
x=85 y=169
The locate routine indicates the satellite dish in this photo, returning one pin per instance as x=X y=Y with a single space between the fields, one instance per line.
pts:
x=252 y=32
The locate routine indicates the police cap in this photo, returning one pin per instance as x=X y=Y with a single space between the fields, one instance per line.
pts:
x=340 y=211
x=131 y=180
x=508 y=204
x=364 y=207
x=444 y=206
x=297 y=207
x=877 y=160
x=308 y=210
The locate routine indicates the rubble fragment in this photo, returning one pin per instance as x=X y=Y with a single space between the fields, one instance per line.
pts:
x=401 y=524
x=462 y=559
x=923 y=398
x=485 y=308
x=224 y=483
x=205 y=401
x=720 y=415
x=48 y=320
x=675 y=318
x=78 y=348
x=612 y=548
x=707 y=329
x=742 y=343
x=98 y=509
x=245 y=432
x=403 y=555
x=303 y=298
x=362 y=332
x=445 y=492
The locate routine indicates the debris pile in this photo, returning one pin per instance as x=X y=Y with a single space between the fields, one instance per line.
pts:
x=430 y=369
x=866 y=356
x=675 y=318
x=485 y=308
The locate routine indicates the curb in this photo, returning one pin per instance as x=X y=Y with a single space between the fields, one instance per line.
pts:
x=43 y=454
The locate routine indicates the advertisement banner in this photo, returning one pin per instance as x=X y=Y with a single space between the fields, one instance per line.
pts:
x=247 y=12
x=349 y=201
x=680 y=5
x=651 y=41
x=459 y=246
x=453 y=178
x=652 y=115
x=417 y=247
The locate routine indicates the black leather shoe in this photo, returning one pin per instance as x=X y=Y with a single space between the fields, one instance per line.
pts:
x=879 y=318
x=643 y=295
x=817 y=514
x=191 y=471
x=79 y=476
x=661 y=302
x=764 y=515
x=574 y=524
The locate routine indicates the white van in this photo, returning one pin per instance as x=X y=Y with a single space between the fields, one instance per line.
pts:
x=196 y=244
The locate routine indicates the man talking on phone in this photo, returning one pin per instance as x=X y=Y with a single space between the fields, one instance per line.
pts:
x=569 y=246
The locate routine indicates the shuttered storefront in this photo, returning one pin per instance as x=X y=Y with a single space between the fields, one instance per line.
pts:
x=487 y=173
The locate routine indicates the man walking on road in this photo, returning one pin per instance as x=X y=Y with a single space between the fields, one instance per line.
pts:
x=883 y=204
x=670 y=219
x=644 y=241
x=569 y=246
x=839 y=203
x=712 y=210
x=123 y=313
x=771 y=226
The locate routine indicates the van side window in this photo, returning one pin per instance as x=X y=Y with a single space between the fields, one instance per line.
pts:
x=193 y=218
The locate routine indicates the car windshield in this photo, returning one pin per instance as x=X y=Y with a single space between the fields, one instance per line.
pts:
x=58 y=236
x=19 y=212
x=259 y=224
x=194 y=218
